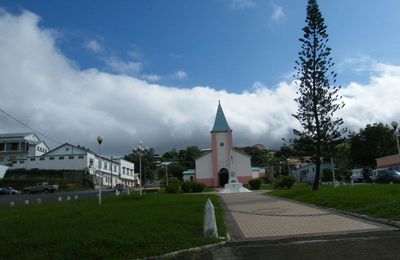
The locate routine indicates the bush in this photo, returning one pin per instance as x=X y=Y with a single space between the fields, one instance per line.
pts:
x=255 y=184
x=285 y=181
x=185 y=187
x=268 y=179
x=192 y=186
x=173 y=186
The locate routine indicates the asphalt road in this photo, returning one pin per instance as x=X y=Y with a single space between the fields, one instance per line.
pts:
x=20 y=199
x=367 y=245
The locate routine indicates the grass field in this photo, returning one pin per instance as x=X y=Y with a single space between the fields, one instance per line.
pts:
x=123 y=227
x=376 y=200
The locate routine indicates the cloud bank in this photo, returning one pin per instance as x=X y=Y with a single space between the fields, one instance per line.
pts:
x=43 y=88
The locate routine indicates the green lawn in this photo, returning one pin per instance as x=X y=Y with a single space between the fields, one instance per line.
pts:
x=376 y=200
x=123 y=227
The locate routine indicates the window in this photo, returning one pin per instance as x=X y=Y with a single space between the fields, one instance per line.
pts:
x=80 y=156
x=22 y=146
x=12 y=146
x=51 y=158
x=2 y=146
x=91 y=162
x=221 y=144
x=70 y=157
x=21 y=161
x=61 y=158
x=1 y=159
x=42 y=158
x=32 y=159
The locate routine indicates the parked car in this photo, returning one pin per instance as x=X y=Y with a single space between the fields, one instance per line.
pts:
x=387 y=176
x=41 y=187
x=152 y=184
x=121 y=187
x=9 y=191
x=357 y=175
x=374 y=173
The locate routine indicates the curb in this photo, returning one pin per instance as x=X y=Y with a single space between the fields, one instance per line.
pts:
x=193 y=249
x=365 y=217
x=378 y=220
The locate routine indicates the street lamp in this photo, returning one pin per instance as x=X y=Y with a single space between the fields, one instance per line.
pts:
x=140 y=150
x=396 y=133
x=100 y=140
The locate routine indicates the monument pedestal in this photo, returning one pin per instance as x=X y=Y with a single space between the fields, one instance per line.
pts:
x=234 y=186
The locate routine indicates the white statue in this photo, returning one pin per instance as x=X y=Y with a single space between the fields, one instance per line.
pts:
x=233 y=185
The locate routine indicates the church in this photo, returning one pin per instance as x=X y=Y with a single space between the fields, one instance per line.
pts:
x=213 y=167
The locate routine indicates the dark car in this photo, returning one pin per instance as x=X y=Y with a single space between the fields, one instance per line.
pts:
x=121 y=187
x=388 y=176
x=9 y=191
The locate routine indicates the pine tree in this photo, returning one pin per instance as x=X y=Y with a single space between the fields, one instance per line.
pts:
x=318 y=100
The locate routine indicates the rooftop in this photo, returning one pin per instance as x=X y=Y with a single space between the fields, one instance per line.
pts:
x=220 y=123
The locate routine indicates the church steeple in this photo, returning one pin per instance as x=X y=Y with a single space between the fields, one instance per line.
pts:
x=220 y=123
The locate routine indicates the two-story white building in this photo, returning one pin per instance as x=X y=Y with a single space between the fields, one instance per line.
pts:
x=71 y=157
x=19 y=146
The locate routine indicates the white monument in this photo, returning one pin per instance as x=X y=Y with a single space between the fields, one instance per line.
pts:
x=233 y=185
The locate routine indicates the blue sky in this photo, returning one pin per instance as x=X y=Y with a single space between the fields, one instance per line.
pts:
x=155 y=70
x=224 y=44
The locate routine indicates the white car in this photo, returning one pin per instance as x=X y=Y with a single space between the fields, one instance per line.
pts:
x=357 y=175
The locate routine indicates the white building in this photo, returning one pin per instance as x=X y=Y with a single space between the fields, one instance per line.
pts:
x=70 y=157
x=306 y=173
x=212 y=168
x=14 y=147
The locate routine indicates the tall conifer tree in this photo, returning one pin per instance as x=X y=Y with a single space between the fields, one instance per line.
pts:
x=318 y=99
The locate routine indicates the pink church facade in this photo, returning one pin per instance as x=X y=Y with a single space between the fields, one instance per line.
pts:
x=213 y=167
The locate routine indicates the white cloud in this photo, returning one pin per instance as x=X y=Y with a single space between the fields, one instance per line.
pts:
x=180 y=74
x=40 y=86
x=358 y=64
x=125 y=67
x=242 y=4
x=152 y=77
x=94 y=46
x=277 y=13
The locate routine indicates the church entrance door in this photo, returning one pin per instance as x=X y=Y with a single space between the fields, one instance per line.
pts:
x=223 y=177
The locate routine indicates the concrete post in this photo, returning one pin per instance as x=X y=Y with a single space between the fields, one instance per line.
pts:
x=210 y=224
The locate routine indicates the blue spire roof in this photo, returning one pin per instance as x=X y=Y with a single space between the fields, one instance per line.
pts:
x=220 y=124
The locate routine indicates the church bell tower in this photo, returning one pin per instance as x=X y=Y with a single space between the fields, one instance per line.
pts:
x=221 y=143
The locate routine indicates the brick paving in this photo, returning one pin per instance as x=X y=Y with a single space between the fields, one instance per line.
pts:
x=253 y=216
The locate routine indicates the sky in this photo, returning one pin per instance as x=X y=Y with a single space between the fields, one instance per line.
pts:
x=153 y=71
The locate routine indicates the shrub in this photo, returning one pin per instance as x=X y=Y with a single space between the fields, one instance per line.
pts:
x=173 y=186
x=285 y=181
x=268 y=179
x=192 y=186
x=197 y=186
x=255 y=184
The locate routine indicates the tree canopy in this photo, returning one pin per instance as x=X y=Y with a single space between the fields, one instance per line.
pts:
x=317 y=98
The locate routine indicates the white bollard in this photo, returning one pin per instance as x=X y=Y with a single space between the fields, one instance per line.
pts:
x=68 y=198
x=210 y=224
x=59 y=199
x=39 y=201
x=129 y=191
x=12 y=203
x=116 y=193
x=352 y=183
x=26 y=202
x=76 y=197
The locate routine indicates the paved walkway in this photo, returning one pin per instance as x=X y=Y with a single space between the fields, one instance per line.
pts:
x=255 y=216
